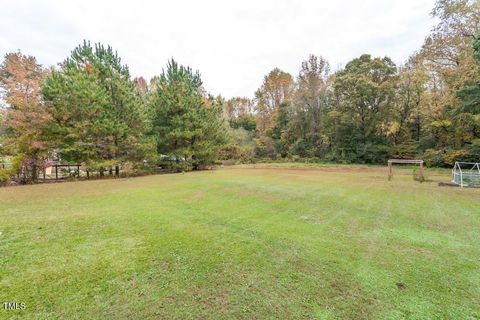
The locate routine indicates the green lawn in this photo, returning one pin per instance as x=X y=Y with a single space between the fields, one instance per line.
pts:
x=253 y=243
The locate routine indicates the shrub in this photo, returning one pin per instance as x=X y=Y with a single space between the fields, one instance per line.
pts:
x=236 y=152
x=445 y=158
x=176 y=166
x=434 y=158
x=456 y=155
x=5 y=176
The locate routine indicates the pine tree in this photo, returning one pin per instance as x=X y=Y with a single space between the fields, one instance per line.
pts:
x=187 y=123
x=98 y=114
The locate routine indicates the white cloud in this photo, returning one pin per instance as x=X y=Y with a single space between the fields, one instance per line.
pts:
x=233 y=43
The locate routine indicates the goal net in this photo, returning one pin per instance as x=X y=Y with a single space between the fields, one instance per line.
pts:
x=466 y=174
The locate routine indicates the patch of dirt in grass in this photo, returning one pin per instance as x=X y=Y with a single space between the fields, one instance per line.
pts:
x=198 y=194
x=220 y=301
x=379 y=172
x=400 y=286
x=347 y=299
x=241 y=193
x=440 y=226
x=311 y=220
x=307 y=170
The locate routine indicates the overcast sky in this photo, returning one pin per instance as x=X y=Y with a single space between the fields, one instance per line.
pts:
x=233 y=43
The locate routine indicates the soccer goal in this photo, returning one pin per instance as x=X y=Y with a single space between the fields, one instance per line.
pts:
x=466 y=174
x=391 y=162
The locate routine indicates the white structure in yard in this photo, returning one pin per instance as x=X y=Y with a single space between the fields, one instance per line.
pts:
x=466 y=174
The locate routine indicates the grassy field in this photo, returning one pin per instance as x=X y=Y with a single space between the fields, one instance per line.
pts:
x=265 y=242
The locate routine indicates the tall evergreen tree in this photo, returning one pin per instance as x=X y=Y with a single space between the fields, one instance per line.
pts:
x=98 y=114
x=187 y=124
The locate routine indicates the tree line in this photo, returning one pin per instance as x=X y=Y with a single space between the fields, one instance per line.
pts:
x=371 y=110
x=90 y=111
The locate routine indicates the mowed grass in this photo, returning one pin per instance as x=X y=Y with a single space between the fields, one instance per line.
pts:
x=243 y=242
